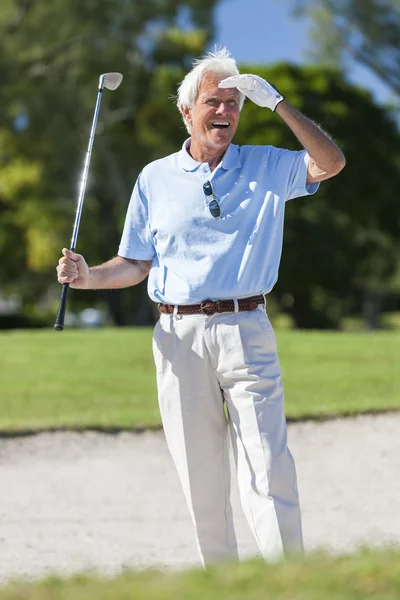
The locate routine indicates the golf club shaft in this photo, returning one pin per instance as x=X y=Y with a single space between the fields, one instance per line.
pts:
x=59 y=324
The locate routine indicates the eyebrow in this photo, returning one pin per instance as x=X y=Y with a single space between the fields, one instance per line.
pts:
x=230 y=97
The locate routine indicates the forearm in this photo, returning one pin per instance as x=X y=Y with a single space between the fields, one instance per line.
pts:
x=326 y=155
x=117 y=273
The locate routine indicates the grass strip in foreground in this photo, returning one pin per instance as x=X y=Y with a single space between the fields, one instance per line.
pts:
x=365 y=576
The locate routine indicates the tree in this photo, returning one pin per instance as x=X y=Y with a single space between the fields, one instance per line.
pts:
x=51 y=55
x=341 y=244
x=365 y=31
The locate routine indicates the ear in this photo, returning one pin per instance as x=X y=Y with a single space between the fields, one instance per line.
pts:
x=187 y=114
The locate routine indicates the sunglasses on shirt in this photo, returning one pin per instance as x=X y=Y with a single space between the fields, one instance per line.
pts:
x=213 y=205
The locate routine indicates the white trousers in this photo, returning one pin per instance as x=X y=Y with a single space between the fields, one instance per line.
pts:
x=202 y=363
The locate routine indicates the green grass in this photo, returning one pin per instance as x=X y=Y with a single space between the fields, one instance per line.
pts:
x=328 y=373
x=77 y=378
x=364 y=576
x=106 y=377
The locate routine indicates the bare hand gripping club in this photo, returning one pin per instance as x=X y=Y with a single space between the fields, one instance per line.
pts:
x=111 y=81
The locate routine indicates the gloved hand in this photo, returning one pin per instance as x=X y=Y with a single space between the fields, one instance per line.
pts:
x=256 y=88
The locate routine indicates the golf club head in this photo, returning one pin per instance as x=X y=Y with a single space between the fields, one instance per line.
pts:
x=110 y=80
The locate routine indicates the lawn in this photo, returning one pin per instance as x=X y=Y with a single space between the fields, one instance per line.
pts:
x=106 y=377
x=364 y=576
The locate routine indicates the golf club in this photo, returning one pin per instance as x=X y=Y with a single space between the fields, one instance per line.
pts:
x=111 y=81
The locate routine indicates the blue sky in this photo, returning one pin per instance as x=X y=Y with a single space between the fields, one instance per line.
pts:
x=263 y=31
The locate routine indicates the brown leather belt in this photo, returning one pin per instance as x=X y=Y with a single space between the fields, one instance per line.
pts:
x=209 y=307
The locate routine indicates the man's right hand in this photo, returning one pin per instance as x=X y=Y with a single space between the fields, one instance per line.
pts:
x=72 y=268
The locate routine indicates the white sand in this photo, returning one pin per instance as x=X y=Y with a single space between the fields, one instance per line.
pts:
x=72 y=501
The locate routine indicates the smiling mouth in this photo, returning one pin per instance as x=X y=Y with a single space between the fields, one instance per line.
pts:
x=220 y=124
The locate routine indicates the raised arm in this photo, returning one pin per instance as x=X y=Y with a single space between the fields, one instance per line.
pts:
x=116 y=273
x=326 y=159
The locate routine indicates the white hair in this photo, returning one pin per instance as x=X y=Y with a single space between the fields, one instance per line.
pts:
x=218 y=61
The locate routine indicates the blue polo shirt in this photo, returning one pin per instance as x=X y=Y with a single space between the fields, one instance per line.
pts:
x=196 y=256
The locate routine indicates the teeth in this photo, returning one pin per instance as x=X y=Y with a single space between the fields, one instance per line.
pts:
x=220 y=123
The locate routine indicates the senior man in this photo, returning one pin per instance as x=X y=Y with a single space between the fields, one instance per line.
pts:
x=206 y=225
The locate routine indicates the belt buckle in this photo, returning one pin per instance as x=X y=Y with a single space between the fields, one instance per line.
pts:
x=207 y=307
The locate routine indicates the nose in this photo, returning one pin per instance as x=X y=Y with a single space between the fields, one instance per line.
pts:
x=222 y=109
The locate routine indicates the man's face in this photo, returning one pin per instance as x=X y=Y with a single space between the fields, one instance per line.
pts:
x=215 y=115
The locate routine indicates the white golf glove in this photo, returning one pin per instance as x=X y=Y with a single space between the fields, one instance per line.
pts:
x=256 y=88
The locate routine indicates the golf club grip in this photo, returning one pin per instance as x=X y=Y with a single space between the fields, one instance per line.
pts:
x=59 y=324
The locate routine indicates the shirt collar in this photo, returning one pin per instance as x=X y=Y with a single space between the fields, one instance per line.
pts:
x=185 y=160
x=231 y=159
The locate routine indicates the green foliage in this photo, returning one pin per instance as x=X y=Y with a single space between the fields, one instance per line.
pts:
x=51 y=55
x=366 y=31
x=366 y=575
x=342 y=243
x=113 y=381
